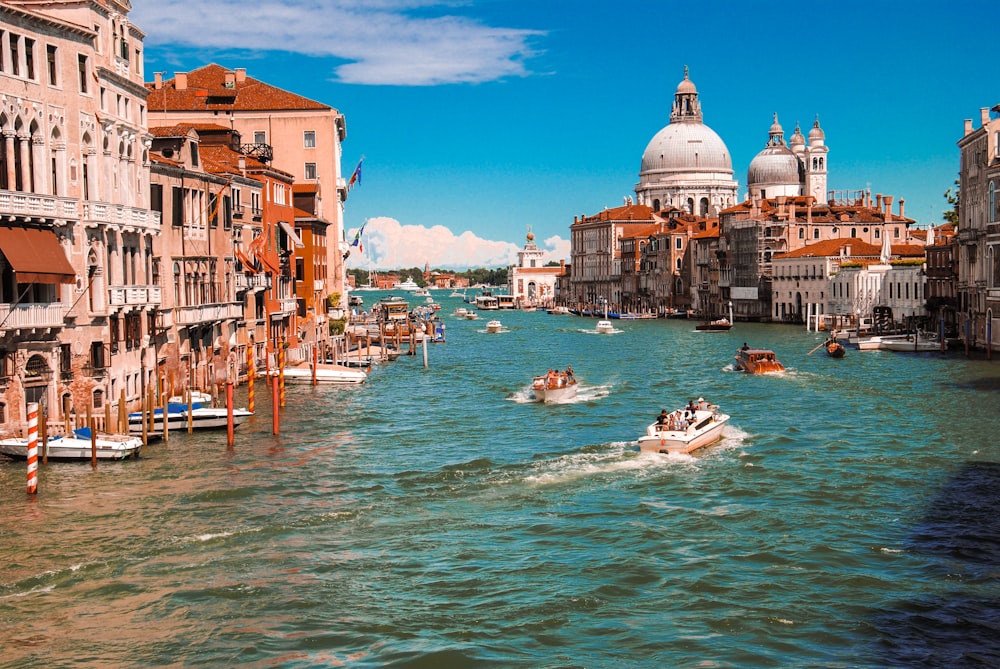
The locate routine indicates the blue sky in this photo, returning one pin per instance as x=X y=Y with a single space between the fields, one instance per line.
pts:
x=480 y=118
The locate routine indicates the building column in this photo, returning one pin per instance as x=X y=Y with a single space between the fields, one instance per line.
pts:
x=10 y=148
x=25 y=148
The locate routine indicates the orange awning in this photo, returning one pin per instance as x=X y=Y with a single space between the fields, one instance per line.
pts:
x=36 y=256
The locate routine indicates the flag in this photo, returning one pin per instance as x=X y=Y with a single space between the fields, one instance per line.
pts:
x=356 y=177
x=357 y=235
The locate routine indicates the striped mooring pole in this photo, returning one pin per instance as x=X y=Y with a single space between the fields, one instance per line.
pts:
x=32 y=448
x=250 y=376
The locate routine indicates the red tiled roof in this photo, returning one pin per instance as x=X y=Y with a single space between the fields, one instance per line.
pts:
x=206 y=90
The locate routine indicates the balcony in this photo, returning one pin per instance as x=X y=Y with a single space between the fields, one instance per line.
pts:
x=127 y=219
x=207 y=313
x=38 y=207
x=32 y=316
x=134 y=296
x=254 y=282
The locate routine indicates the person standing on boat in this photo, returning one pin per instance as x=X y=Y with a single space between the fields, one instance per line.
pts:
x=662 y=419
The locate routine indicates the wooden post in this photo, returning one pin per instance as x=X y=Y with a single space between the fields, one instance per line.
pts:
x=166 y=425
x=93 y=438
x=43 y=436
x=274 y=403
x=122 y=414
x=250 y=377
x=108 y=427
x=32 y=454
x=230 y=425
x=315 y=362
x=151 y=403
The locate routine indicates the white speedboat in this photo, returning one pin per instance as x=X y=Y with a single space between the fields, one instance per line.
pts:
x=918 y=343
x=76 y=446
x=494 y=326
x=684 y=432
x=559 y=310
x=203 y=416
x=325 y=374
x=471 y=315
x=554 y=387
x=605 y=327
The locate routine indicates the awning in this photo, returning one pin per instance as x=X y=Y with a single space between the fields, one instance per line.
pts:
x=290 y=231
x=36 y=256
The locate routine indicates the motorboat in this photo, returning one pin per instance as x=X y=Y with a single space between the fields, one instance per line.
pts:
x=913 y=342
x=494 y=326
x=873 y=343
x=718 y=325
x=461 y=312
x=203 y=415
x=76 y=446
x=554 y=387
x=423 y=292
x=325 y=374
x=471 y=315
x=757 y=361
x=559 y=310
x=685 y=430
x=605 y=327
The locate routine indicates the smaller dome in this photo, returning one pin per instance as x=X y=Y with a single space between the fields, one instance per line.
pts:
x=775 y=165
x=816 y=134
x=686 y=87
x=776 y=128
x=797 y=138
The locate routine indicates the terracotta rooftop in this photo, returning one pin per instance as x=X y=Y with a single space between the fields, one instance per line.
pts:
x=206 y=89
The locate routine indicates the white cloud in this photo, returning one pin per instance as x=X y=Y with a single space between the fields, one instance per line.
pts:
x=384 y=42
x=388 y=244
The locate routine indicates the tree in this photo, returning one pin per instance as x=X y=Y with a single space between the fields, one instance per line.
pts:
x=951 y=215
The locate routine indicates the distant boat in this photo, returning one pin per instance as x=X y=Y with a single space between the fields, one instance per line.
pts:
x=409 y=284
x=605 y=327
x=325 y=374
x=718 y=325
x=757 y=361
x=494 y=326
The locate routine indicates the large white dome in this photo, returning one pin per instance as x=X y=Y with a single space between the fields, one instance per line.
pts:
x=686 y=147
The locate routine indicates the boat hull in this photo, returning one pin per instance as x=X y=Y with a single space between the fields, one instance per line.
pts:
x=202 y=418
x=325 y=374
x=706 y=430
x=552 y=393
x=758 y=361
x=109 y=447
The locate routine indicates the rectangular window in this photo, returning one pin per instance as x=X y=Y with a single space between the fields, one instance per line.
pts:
x=97 y=354
x=309 y=139
x=213 y=209
x=5 y=365
x=156 y=198
x=51 y=63
x=177 y=205
x=29 y=58
x=65 y=359
x=227 y=212
x=2 y=59
x=82 y=69
x=15 y=62
x=115 y=335
x=310 y=171
x=259 y=137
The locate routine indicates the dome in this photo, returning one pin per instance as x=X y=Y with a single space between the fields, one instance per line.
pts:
x=775 y=165
x=686 y=147
x=797 y=138
x=816 y=134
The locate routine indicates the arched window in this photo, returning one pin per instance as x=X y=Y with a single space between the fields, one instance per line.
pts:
x=98 y=399
x=815 y=233
x=802 y=233
x=704 y=206
x=690 y=205
x=854 y=232
x=993 y=209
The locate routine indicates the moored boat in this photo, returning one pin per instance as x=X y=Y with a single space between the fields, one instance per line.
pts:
x=718 y=325
x=203 y=417
x=554 y=386
x=685 y=430
x=757 y=361
x=76 y=446
x=559 y=310
x=913 y=342
x=325 y=374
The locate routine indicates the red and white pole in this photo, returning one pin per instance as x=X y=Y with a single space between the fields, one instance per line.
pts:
x=32 y=448
x=230 y=424
x=250 y=377
x=274 y=403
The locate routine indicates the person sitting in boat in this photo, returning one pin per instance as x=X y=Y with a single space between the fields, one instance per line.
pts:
x=689 y=411
x=663 y=418
x=676 y=420
x=745 y=347
x=702 y=404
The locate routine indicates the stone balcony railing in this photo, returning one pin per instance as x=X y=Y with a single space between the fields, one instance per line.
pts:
x=29 y=316
x=37 y=206
x=140 y=296
x=131 y=219
x=207 y=313
x=252 y=281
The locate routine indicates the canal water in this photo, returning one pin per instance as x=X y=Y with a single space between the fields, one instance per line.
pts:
x=433 y=517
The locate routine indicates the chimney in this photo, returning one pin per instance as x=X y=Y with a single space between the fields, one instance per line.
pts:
x=242 y=162
x=984 y=116
x=230 y=79
x=888 y=207
x=901 y=214
x=968 y=126
x=878 y=201
x=241 y=75
x=157 y=80
x=847 y=250
x=180 y=81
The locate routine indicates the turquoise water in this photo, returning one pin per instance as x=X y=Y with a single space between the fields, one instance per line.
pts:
x=433 y=517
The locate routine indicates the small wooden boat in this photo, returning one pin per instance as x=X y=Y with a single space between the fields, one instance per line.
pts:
x=834 y=349
x=757 y=361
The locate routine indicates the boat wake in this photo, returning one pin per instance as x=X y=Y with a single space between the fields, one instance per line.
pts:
x=585 y=464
